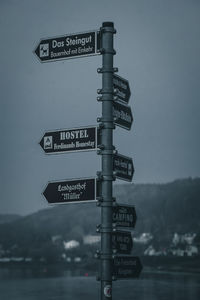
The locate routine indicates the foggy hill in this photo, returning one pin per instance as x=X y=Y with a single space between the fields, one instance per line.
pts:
x=7 y=218
x=162 y=209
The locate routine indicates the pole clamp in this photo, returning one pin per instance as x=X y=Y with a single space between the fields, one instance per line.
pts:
x=107 y=70
x=109 y=125
x=97 y=254
x=106 y=256
x=101 y=99
x=107 y=51
x=106 y=202
x=99 y=176
x=99 y=278
x=109 y=177
x=101 y=125
x=107 y=152
x=101 y=255
x=106 y=91
x=104 y=229
x=107 y=29
x=101 y=146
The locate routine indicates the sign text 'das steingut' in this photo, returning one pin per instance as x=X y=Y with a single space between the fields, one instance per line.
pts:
x=71 y=191
x=70 y=140
x=68 y=46
x=124 y=215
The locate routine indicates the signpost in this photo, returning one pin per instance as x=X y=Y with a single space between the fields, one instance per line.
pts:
x=123 y=115
x=71 y=191
x=122 y=87
x=122 y=242
x=124 y=216
x=123 y=167
x=70 y=140
x=85 y=139
x=68 y=46
x=126 y=267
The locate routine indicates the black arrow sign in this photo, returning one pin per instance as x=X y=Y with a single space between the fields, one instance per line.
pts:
x=123 y=115
x=71 y=191
x=123 y=167
x=68 y=46
x=123 y=89
x=124 y=215
x=69 y=140
x=122 y=242
x=126 y=267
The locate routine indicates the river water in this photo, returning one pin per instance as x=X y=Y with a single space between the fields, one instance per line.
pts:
x=47 y=284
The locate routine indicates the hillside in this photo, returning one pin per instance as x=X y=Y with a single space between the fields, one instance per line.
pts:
x=162 y=210
x=7 y=218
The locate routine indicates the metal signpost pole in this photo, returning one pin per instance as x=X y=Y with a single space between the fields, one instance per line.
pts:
x=115 y=90
x=107 y=125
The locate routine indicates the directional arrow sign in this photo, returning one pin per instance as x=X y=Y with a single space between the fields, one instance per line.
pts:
x=124 y=215
x=123 y=89
x=123 y=167
x=69 y=140
x=125 y=267
x=71 y=191
x=123 y=115
x=68 y=46
x=122 y=242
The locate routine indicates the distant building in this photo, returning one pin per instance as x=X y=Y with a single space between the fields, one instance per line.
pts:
x=187 y=238
x=56 y=239
x=91 y=239
x=144 y=238
x=71 y=244
x=192 y=250
x=150 y=251
x=77 y=259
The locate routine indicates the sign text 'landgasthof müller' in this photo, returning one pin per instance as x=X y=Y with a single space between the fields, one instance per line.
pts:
x=68 y=46
x=71 y=191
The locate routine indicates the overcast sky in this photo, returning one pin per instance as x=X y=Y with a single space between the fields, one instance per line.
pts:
x=158 y=52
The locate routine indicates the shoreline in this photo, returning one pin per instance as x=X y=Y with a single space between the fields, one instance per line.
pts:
x=150 y=264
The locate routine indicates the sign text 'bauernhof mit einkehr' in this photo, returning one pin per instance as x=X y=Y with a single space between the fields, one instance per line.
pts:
x=70 y=140
x=68 y=46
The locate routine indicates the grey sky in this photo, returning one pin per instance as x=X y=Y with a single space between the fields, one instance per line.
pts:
x=158 y=46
